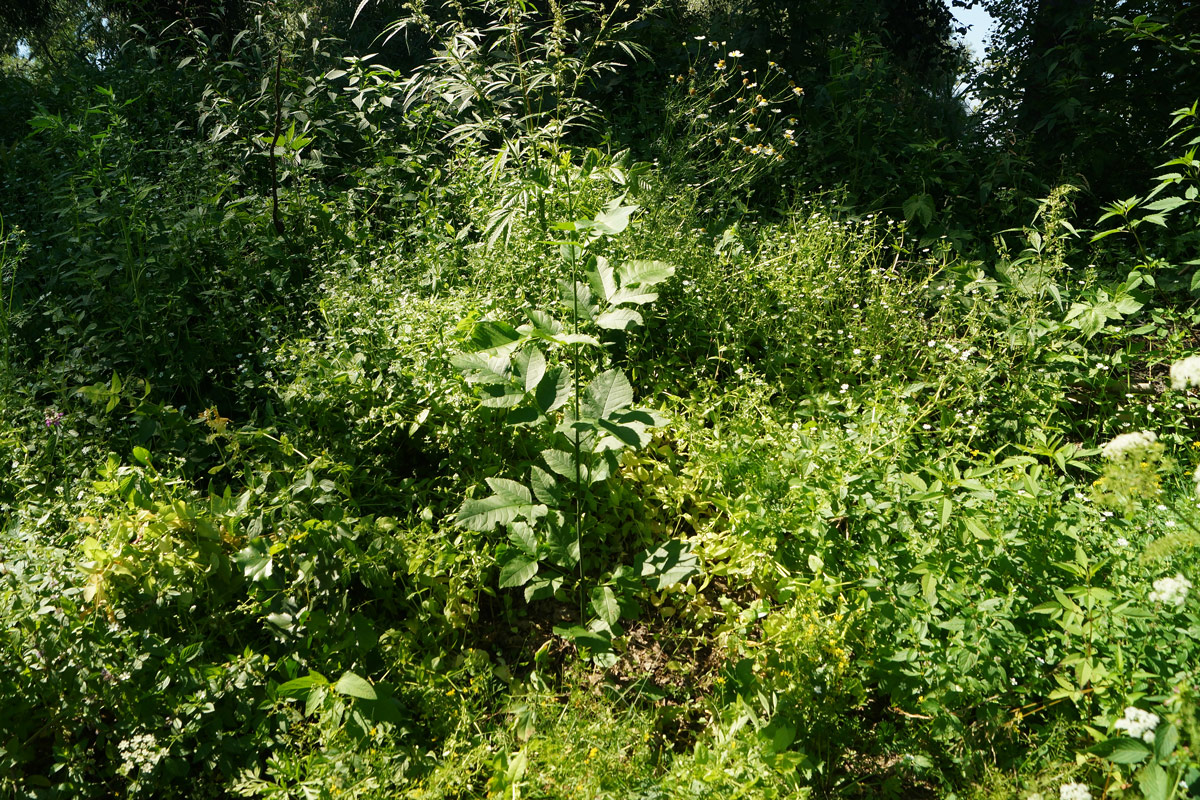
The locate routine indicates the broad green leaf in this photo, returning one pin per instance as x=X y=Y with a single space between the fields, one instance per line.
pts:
x=523 y=415
x=919 y=206
x=531 y=366
x=488 y=335
x=671 y=563
x=1121 y=750
x=603 y=279
x=352 y=685
x=498 y=396
x=524 y=720
x=621 y=436
x=615 y=220
x=553 y=390
x=575 y=338
x=299 y=687
x=644 y=273
x=523 y=538
x=604 y=603
x=583 y=638
x=256 y=564
x=545 y=488
x=635 y=296
x=1165 y=739
x=1153 y=782
x=510 y=490
x=608 y=393
x=517 y=569
x=577 y=300
x=1167 y=204
x=141 y=455
x=542 y=588
x=543 y=322
x=561 y=462
x=484 y=515
x=619 y=319
x=479 y=368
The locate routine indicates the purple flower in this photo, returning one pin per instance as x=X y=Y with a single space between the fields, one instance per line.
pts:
x=53 y=418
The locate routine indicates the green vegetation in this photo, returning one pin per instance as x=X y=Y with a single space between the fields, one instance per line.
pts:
x=587 y=400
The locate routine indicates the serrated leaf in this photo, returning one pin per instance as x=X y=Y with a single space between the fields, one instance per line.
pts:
x=542 y=588
x=517 y=569
x=634 y=296
x=604 y=603
x=543 y=322
x=608 y=393
x=1165 y=740
x=561 y=462
x=619 y=319
x=545 y=488
x=1121 y=750
x=531 y=366
x=523 y=538
x=481 y=369
x=644 y=273
x=577 y=300
x=352 y=685
x=510 y=490
x=919 y=207
x=1153 y=782
x=484 y=515
x=1166 y=204
x=603 y=279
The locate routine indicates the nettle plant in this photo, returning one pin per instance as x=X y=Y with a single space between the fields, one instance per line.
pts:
x=551 y=375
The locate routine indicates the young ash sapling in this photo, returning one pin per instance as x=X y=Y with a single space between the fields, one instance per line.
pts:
x=551 y=375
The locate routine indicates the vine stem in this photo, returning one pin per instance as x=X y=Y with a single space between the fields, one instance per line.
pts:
x=274 y=157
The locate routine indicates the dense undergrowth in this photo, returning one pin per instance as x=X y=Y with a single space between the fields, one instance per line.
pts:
x=398 y=433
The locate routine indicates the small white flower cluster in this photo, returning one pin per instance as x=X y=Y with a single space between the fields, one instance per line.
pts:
x=1171 y=591
x=1138 y=724
x=140 y=753
x=1129 y=444
x=1074 y=791
x=1186 y=374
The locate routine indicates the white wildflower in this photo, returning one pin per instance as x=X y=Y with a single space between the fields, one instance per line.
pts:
x=736 y=54
x=1186 y=374
x=140 y=753
x=1138 y=724
x=1171 y=591
x=1129 y=444
x=1122 y=542
x=1196 y=480
x=1074 y=791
